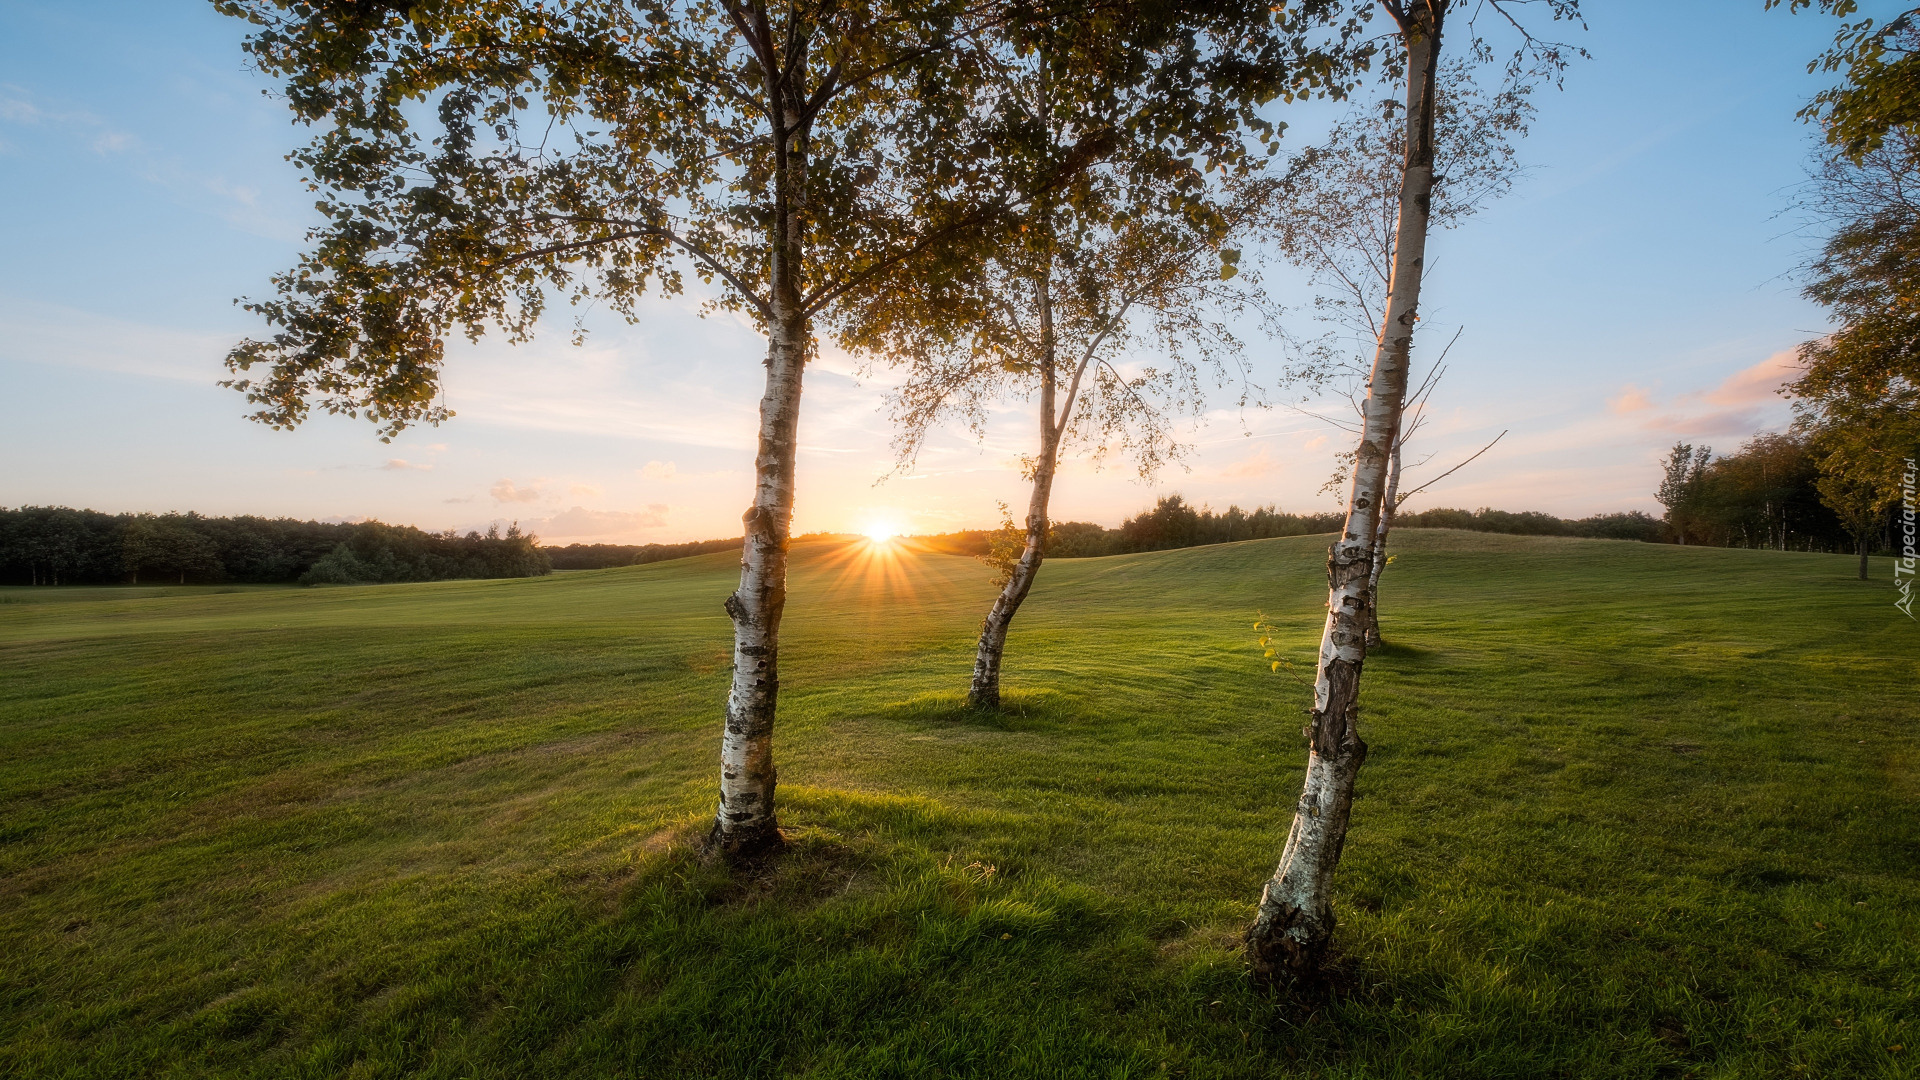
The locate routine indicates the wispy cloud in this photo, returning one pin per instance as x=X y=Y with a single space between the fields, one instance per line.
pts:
x=1758 y=384
x=15 y=109
x=1632 y=399
x=1254 y=466
x=1743 y=403
x=506 y=491
x=579 y=521
x=19 y=106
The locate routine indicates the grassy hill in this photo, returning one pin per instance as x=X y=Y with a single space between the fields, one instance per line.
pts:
x=1631 y=811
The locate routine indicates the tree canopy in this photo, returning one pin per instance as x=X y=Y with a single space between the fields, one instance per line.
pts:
x=475 y=160
x=1858 y=394
x=1880 y=93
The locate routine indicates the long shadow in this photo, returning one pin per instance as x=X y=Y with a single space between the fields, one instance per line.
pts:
x=1033 y=711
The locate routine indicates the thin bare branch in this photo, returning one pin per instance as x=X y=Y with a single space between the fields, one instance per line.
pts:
x=1449 y=472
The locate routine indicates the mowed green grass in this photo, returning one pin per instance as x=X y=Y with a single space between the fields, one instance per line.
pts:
x=1630 y=811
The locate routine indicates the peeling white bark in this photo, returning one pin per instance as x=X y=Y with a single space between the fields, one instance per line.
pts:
x=1294 y=923
x=985 y=689
x=745 y=822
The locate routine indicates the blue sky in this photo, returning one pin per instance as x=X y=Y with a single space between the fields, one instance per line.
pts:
x=1634 y=290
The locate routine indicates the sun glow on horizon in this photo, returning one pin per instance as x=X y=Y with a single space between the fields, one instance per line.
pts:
x=872 y=571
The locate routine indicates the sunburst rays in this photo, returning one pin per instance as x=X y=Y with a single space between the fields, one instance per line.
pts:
x=868 y=571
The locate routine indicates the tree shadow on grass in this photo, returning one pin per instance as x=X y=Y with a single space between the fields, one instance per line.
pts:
x=1398 y=650
x=1032 y=711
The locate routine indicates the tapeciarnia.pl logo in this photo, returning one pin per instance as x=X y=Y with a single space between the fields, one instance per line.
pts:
x=1903 y=566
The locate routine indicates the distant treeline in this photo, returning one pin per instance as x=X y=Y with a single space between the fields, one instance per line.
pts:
x=55 y=545
x=602 y=556
x=1765 y=495
x=1175 y=523
x=1631 y=525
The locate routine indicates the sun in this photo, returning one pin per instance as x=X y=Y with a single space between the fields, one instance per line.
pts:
x=880 y=532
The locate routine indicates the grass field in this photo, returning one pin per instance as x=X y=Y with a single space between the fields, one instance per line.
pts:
x=1630 y=811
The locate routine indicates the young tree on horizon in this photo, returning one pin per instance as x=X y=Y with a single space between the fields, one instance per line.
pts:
x=1293 y=925
x=1861 y=508
x=1048 y=318
x=1681 y=476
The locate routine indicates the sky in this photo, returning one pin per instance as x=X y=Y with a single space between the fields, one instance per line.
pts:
x=1635 y=290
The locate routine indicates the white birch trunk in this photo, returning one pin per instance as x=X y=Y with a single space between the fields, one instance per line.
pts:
x=1294 y=922
x=984 y=693
x=985 y=690
x=1389 y=506
x=745 y=823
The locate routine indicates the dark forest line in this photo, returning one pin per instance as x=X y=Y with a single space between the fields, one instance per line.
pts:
x=57 y=545
x=1766 y=494
x=1175 y=523
x=602 y=556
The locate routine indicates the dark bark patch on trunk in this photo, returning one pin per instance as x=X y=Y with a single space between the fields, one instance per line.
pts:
x=744 y=850
x=1309 y=977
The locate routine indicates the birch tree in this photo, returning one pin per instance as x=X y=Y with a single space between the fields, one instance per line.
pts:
x=1336 y=216
x=1135 y=251
x=1293 y=924
x=473 y=159
x=1413 y=418
x=1051 y=322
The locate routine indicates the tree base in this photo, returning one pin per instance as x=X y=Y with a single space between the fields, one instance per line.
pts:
x=744 y=847
x=1281 y=960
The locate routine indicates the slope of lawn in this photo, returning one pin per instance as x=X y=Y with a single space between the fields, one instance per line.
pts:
x=1630 y=811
